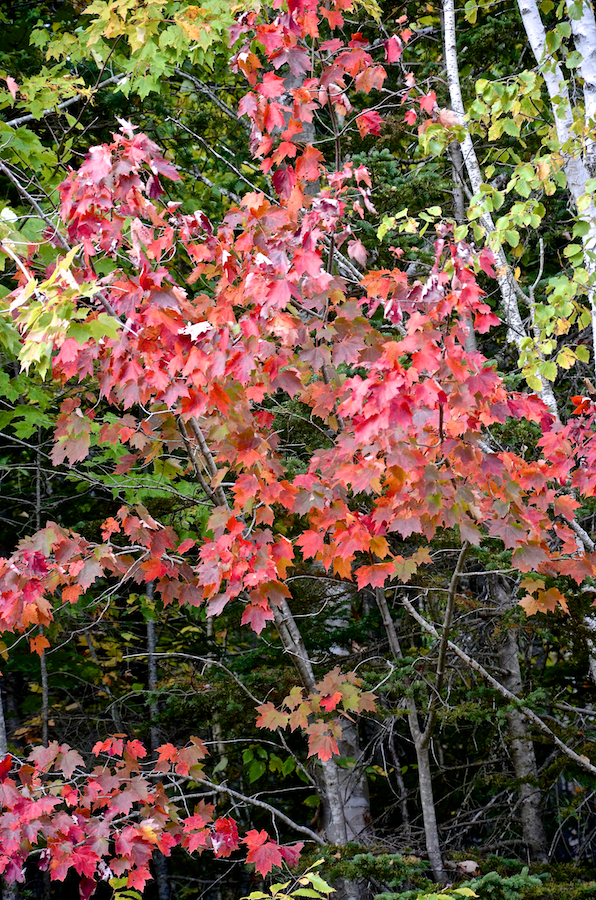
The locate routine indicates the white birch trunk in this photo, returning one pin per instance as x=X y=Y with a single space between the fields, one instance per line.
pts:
x=584 y=36
x=578 y=169
x=516 y=331
x=515 y=327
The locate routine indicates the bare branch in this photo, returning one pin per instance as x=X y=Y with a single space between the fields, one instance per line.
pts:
x=581 y=761
x=22 y=120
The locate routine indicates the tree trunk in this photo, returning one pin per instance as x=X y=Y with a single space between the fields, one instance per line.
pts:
x=345 y=794
x=160 y=863
x=516 y=331
x=522 y=749
x=422 y=746
x=427 y=802
x=578 y=162
x=352 y=788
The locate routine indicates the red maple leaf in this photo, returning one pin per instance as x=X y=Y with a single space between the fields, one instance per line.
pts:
x=224 y=837
x=428 y=102
x=262 y=852
x=5 y=767
x=369 y=123
x=330 y=702
x=321 y=742
x=270 y=717
x=291 y=853
x=393 y=49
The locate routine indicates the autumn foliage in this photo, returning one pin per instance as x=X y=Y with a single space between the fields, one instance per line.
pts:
x=264 y=311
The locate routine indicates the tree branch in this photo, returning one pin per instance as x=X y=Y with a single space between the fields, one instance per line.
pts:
x=440 y=671
x=582 y=761
x=22 y=120
x=302 y=829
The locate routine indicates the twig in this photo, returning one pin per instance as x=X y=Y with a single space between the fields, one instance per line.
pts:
x=33 y=202
x=205 y=89
x=440 y=671
x=302 y=829
x=21 y=120
x=191 y=455
x=209 y=460
x=217 y=155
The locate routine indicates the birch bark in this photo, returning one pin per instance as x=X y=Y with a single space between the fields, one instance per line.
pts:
x=516 y=330
x=578 y=156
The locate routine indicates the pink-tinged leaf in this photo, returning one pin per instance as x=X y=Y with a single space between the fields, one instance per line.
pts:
x=288 y=381
x=270 y=717
x=369 y=123
x=257 y=617
x=448 y=118
x=393 y=49
x=311 y=543
x=12 y=86
x=428 y=102
x=224 y=837
x=375 y=575
x=68 y=762
x=371 y=77
x=291 y=854
x=321 y=740
x=248 y=105
x=271 y=86
x=357 y=251
x=186 y=545
x=74 y=449
x=487 y=262
x=138 y=878
x=528 y=557
x=91 y=570
x=284 y=181
x=410 y=117
x=324 y=746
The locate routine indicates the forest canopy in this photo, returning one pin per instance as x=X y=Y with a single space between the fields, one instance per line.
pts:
x=298 y=450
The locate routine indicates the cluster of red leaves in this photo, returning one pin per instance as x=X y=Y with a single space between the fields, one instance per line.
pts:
x=322 y=74
x=336 y=694
x=263 y=312
x=55 y=563
x=108 y=821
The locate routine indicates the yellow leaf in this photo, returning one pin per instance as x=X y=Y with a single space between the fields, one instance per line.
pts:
x=379 y=546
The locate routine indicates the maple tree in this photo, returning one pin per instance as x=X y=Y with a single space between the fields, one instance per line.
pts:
x=186 y=340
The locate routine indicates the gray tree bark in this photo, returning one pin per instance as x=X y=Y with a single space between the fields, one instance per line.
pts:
x=160 y=863
x=523 y=756
x=421 y=740
x=345 y=794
